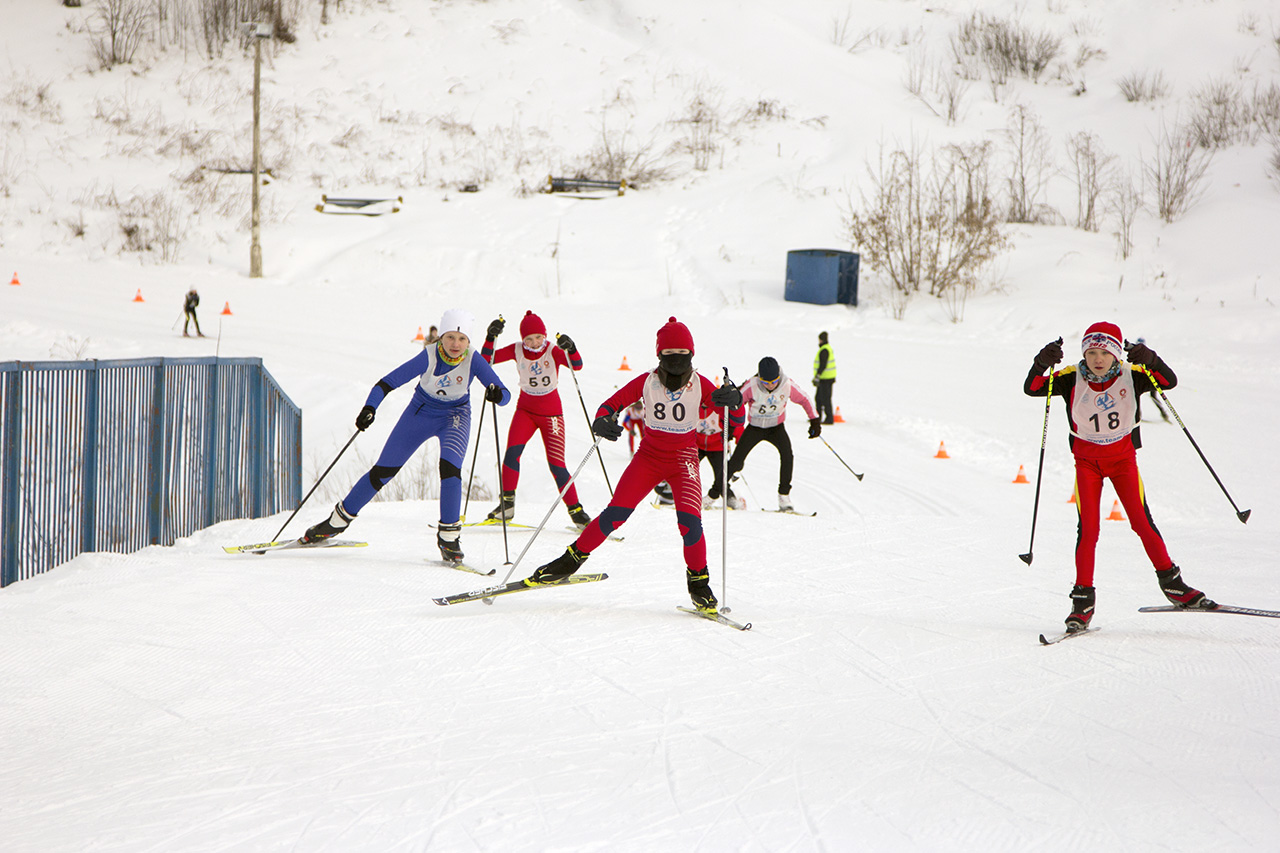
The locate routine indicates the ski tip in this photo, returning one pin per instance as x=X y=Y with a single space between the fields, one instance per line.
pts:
x=1043 y=641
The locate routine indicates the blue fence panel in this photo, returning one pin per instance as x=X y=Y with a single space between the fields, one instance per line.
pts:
x=118 y=455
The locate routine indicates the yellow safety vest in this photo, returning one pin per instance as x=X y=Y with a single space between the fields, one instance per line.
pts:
x=830 y=371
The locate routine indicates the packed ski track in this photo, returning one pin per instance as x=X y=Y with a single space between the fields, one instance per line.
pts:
x=892 y=692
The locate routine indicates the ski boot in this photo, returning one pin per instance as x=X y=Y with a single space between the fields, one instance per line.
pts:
x=785 y=504
x=1176 y=590
x=663 y=493
x=579 y=516
x=449 y=541
x=330 y=527
x=700 y=590
x=736 y=502
x=1082 y=601
x=506 y=508
x=559 y=568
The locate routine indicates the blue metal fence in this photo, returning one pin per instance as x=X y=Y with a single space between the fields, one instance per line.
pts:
x=118 y=455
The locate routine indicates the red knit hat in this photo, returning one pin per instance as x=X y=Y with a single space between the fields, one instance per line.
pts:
x=674 y=335
x=531 y=324
x=1104 y=336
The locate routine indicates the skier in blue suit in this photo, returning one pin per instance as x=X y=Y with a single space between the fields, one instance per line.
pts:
x=440 y=408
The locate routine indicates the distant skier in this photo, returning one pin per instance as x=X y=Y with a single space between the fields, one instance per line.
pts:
x=672 y=394
x=633 y=423
x=1102 y=396
x=538 y=409
x=189 y=312
x=765 y=396
x=440 y=409
x=824 y=379
x=433 y=335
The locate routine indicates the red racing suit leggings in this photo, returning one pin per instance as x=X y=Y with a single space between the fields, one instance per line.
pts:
x=523 y=425
x=648 y=468
x=1123 y=473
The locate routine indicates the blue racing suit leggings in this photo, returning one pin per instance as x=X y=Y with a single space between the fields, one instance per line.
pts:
x=422 y=419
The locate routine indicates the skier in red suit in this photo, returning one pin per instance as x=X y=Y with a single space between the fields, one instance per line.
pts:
x=673 y=394
x=1102 y=395
x=538 y=408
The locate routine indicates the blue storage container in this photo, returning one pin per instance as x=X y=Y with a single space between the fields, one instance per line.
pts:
x=822 y=276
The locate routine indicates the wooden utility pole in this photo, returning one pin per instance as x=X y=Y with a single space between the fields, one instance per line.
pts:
x=258 y=32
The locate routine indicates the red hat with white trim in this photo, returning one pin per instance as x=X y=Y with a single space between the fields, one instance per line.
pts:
x=1104 y=336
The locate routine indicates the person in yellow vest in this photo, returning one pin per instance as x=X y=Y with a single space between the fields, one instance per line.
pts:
x=824 y=376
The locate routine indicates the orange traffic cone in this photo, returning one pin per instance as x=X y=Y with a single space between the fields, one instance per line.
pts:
x=1116 y=515
x=624 y=365
x=1072 y=499
x=942 y=451
x=419 y=336
x=839 y=419
x=1022 y=476
x=138 y=296
x=226 y=308
x=15 y=280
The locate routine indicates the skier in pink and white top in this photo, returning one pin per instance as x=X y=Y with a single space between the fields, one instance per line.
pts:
x=765 y=397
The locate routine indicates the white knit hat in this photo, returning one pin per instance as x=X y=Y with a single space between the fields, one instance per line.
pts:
x=458 y=320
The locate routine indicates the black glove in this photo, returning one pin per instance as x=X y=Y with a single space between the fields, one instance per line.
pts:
x=815 y=382
x=1049 y=355
x=727 y=395
x=607 y=427
x=493 y=394
x=364 y=420
x=566 y=343
x=815 y=427
x=1140 y=354
x=496 y=327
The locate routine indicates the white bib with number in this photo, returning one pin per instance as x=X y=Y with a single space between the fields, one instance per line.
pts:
x=538 y=376
x=672 y=411
x=1104 y=417
x=768 y=407
x=449 y=386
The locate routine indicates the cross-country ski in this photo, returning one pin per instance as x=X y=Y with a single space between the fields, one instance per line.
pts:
x=1221 y=608
x=289 y=544
x=514 y=587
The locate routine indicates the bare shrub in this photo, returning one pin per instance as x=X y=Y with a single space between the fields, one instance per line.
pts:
x=1138 y=86
x=153 y=223
x=927 y=224
x=617 y=155
x=1005 y=48
x=1125 y=201
x=1030 y=165
x=1265 y=109
x=1176 y=171
x=35 y=99
x=702 y=124
x=1220 y=115
x=1090 y=164
x=118 y=30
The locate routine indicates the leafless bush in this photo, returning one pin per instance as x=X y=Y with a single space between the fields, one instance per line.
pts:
x=118 y=30
x=617 y=155
x=35 y=99
x=1090 y=165
x=153 y=223
x=1176 y=171
x=928 y=224
x=1125 y=202
x=842 y=34
x=701 y=122
x=1030 y=166
x=1004 y=48
x=1138 y=86
x=1221 y=116
x=1265 y=109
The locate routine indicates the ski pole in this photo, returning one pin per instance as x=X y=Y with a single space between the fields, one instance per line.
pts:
x=497 y=450
x=550 y=510
x=573 y=374
x=471 y=477
x=316 y=486
x=1044 y=434
x=842 y=462
x=1243 y=515
x=724 y=509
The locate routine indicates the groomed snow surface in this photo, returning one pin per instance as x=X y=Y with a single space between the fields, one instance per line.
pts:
x=891 y=695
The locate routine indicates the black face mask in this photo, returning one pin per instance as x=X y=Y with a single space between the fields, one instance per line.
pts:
x=675 y=367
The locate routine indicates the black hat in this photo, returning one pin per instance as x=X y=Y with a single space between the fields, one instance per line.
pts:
x=768 y=369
